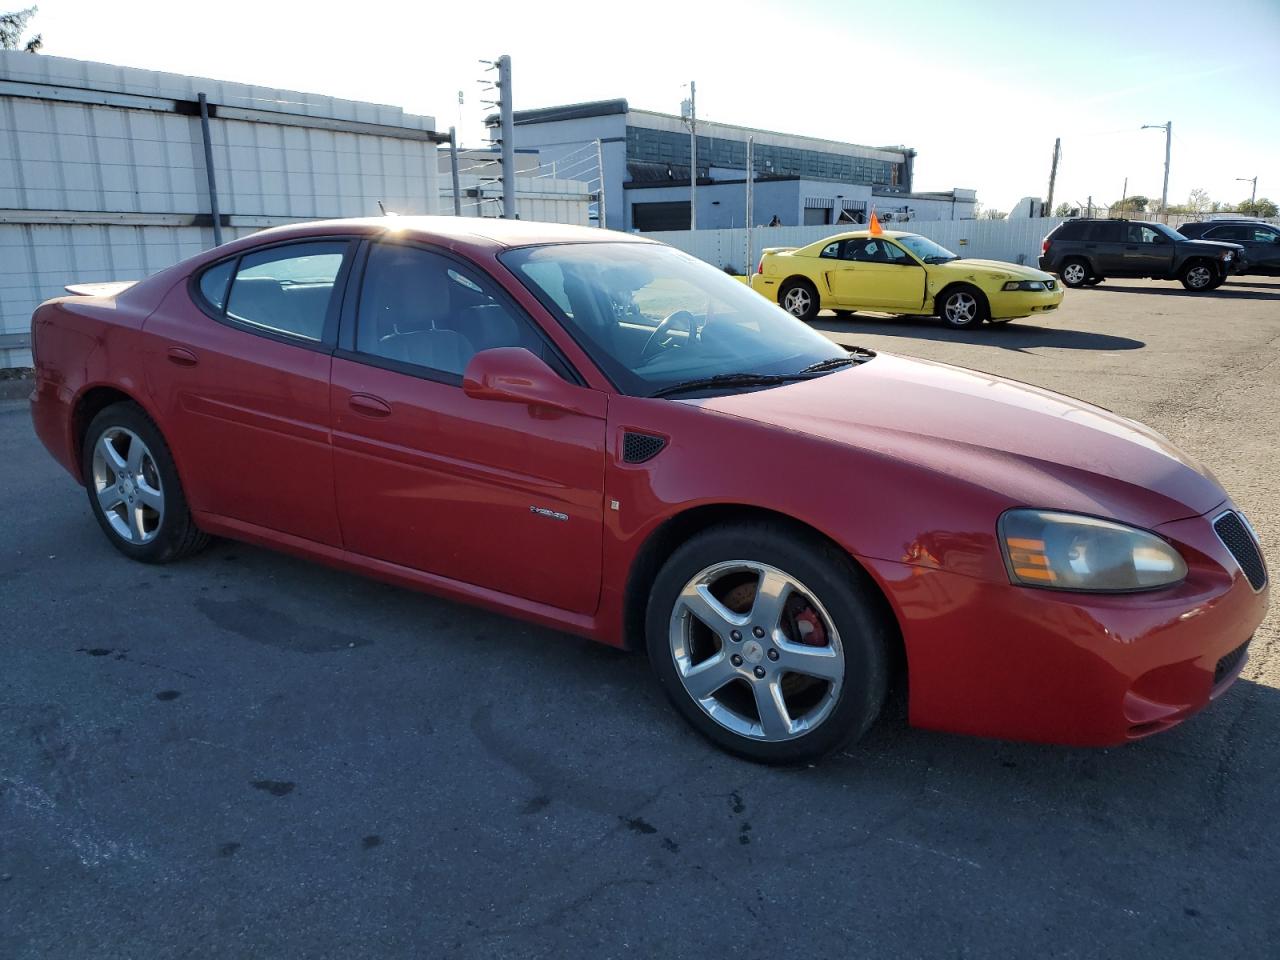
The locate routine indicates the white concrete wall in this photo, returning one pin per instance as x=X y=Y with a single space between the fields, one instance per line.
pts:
x=102 y=176
x=1017 y=241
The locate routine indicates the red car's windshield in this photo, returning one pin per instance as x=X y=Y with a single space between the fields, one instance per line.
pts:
x=651 y=316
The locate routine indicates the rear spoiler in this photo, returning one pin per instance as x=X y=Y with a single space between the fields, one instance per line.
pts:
x=768 y=250
x=107 y=289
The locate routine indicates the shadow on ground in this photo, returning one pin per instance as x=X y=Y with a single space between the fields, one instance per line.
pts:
x=1012 y=336
x=1225 y=292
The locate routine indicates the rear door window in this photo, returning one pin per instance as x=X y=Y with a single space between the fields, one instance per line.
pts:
x=1233 y=232
x=287 y=290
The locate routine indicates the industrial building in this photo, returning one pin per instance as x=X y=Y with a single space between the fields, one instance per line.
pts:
x=103 y=172
x=643 y=160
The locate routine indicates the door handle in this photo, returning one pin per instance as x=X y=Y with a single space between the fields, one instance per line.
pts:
x=368 y=405
x=182 y=357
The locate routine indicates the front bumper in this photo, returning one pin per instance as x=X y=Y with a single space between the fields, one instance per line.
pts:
x=1012 y=304
x=1019 y=663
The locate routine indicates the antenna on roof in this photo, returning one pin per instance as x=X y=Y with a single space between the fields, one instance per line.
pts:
x=382 y=207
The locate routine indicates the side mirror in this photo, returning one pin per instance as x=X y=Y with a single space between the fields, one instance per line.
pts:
x=514 y=375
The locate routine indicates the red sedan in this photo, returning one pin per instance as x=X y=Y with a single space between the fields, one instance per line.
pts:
x=599 y=433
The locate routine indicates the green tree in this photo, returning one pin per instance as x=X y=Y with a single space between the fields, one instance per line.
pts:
x=1134 y=204
x=992 y=214
x=1262 y=207
x=13 y=26
x=1063 y=210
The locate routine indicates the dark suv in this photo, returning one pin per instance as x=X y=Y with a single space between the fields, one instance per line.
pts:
x=1086 y=252
x=1261 y=241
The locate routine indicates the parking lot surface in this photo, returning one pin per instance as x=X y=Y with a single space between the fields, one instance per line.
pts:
x=247 y=755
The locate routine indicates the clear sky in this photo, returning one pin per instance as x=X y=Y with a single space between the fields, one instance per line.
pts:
x=979 y=88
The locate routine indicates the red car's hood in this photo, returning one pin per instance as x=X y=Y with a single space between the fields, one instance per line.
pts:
x=1031 y=446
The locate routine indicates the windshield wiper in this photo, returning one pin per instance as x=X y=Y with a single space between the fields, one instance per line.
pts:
x=831 y=364
x=730 y=380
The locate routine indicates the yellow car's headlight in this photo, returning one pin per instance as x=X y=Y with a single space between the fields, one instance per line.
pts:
x=1025 y=285
x=1070 y=551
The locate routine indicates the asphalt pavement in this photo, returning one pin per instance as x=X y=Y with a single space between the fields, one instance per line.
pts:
x=246 y=755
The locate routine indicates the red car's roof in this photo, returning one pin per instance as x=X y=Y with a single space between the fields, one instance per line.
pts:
x=484 y=231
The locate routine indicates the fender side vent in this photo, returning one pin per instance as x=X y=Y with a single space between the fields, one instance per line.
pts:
x=639 y=447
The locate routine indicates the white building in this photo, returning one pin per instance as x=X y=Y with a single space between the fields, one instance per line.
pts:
x=103 y=175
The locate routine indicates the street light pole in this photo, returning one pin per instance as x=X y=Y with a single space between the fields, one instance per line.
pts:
x=1167 y=127
x=693 y=155
x=1253 y=194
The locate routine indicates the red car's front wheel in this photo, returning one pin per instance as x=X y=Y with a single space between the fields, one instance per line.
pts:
x=767 y=641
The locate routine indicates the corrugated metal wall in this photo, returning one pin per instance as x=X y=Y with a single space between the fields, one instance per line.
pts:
x=1017 y=241
x=102 y=172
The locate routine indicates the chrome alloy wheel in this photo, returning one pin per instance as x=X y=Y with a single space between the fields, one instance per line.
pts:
x=797 y=301
x=1199 y=277
x=1073 y=273
x=756 y=650
x=961 y=308
x=127 y=485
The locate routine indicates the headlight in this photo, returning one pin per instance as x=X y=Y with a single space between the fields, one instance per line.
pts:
x=1228 y=255
x=1025 y=285
x=1068 y=551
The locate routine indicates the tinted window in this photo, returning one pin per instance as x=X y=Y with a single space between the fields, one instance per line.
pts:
x=1071 y=231
x=424 y=309
x=831 y=250
x=1107 y=232
x=1137 y=233
x=287 y=289
x=213 y=283
x=1233 y=232
x=1262 y=235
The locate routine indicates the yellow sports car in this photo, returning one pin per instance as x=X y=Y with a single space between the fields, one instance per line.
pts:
x=904 y=273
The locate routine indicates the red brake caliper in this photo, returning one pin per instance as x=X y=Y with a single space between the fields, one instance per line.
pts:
x=810 y=627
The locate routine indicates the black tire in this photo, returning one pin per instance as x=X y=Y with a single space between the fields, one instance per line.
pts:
x=805 y=308
x=844 y=595
x=1218 y=281
x=1198 y=276
x=160 y=536
x=1075 y=271
x=1093 y=281
x=963 y=307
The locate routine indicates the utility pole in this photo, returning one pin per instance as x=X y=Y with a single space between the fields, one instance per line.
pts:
x=453 y=167
x=1167 y=127
x=692 y=119
x=1124 y=195
x=600 y=222
x=751 y=142
x=1053 y=176
x=508 y=139
x=1253 y=194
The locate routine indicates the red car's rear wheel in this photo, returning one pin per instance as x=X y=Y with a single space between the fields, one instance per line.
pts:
x=134 y=489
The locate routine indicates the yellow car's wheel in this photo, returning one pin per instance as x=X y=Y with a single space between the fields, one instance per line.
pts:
x=963 y=307
x=800 y=299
